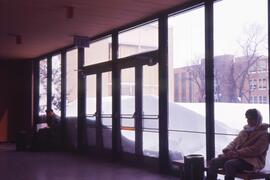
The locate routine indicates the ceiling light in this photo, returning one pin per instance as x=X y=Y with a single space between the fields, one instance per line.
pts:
x=69 y=12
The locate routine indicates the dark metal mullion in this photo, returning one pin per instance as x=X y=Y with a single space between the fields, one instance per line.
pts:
x=163 y=95
x=148 y=58
x=97 y=68
x=99 y=138
x=116 y=101
x=209 y=80
x=82 y=141
x=268 y=4
x=63 y=92
x=36 y=92
x=138 y=111
x=49 y=82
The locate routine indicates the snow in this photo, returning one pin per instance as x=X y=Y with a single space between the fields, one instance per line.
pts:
x=186 y=125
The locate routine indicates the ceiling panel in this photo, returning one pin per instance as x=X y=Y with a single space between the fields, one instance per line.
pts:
x=43 y=24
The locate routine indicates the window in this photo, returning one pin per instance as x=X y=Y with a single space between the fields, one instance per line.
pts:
x=128 y=109
x=42 y=86
x=150 y=111
x=239 y=52
x=260 y=84
x=72 y=83
x=265 y=100
x=56 y=84
x=98 y=51
x=138 y=40
x=186 y=98
x=264 y=82
x=107 y=109
x=91 y=104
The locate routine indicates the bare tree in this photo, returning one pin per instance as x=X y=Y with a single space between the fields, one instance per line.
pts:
x=56 y=86
x=42 y=85
x=231 y=75
x=251 y=44
x=197 y=76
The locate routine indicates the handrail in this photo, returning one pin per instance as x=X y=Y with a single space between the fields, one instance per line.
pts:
x=106 y=115
x=154 y=117
x=91 y=115
x=127 y=116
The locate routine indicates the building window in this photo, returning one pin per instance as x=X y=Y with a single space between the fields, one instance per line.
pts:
x=264 y=86
x=183 y=87
x=260 y=100
x=255 y=99
x=265 y=100
x=260 y=84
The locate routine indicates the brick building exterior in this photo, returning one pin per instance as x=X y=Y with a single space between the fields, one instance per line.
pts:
x=236 y=80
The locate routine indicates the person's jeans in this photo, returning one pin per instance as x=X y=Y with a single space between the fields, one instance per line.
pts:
x=230 y=166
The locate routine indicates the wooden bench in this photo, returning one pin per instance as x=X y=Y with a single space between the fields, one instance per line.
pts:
x=250 y=175
x=244 y=175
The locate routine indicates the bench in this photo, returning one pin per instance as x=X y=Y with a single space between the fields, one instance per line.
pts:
x=250 y=175
x=244 y=175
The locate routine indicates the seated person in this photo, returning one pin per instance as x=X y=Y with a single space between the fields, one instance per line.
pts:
x=52 y=119
x=246 y=152
x=48 y=136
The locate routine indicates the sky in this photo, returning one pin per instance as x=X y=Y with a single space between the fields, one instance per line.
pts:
x=231 y=17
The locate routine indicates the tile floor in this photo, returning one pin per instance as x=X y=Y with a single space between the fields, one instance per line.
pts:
x=65 y=166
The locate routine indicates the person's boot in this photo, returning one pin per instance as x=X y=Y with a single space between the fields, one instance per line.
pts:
x=229 y=178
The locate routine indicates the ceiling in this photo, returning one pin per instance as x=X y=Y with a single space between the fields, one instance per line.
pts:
x=30 y=28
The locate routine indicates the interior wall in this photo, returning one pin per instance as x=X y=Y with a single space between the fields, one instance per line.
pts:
x=15 y=98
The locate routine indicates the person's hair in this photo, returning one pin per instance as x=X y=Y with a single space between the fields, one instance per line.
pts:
x=254 y=114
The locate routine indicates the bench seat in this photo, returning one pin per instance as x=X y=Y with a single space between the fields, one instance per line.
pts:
x=250 y=175
x=244 y=175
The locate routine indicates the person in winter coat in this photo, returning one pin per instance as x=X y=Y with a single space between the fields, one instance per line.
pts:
x=246 y=152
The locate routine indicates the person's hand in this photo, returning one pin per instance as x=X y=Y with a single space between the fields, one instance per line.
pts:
x=221 y=155
x=225 y=151
x=232 y=154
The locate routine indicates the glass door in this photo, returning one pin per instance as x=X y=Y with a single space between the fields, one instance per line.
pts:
x=106 y=109
x=139 y=110
x=150 y=112
x=128 y=110
x=91 y=109
x=99 y=110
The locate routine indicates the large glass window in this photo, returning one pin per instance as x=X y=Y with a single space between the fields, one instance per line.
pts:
x=72 y=96
x=240 y=65
x=42 y=86
x=138 y=40
x=72 y=84
x=186 y=84
x=56 y=84
x=99 y=51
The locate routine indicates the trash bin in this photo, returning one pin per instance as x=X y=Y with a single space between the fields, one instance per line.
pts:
x=21 y=141
x=194 y=167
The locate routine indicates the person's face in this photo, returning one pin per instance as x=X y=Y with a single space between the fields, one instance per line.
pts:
x=50 y=114
x=251 y=121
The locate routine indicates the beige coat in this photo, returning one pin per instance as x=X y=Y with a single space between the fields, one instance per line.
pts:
x=252 y=146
